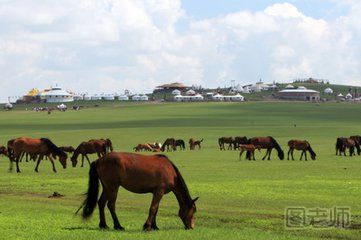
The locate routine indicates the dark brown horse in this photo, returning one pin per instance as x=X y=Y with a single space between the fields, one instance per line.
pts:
x=40 y=147
x=351 y=143
x=180 y=143
x=108 y=145
x=139 y=174
x=225 y=140
x=3 y=151
x=238 y=141
x=300 y=145
x=90 y=147
x=170 y=144
x=193 y=143
x=268 y=143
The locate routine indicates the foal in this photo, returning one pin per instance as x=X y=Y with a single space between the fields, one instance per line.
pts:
x=193 y=144
x=249 y=148
x=300 y=145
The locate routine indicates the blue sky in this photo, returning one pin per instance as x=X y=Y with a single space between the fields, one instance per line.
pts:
x=107 y=46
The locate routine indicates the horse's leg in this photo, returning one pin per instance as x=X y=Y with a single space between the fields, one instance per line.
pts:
x=37 y=164
x=305 y=155
x=101 y=204
x=17 y=164
x=293 y=158
x=301 y=155
x=82 y=160
x=112 y=198
x=269 y=154
x=240 y=154
x=265 y=155
x=52 y=162
x=254 y=159
x=157 y=196
x=288 y=154
x=87 y=158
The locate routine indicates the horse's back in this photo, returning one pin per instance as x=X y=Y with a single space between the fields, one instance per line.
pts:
x=137 y=173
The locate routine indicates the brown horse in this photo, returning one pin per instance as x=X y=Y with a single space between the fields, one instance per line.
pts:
x=180 y=143
x=85 y=148
x=155 y=146
x=170 y=144
x=143 y=147
x=108 y=145
x=3 y=151
x=139 y=174
x=193 y=143
x=351 y=143
x=267 y=143
x=238 y=141
x=300 y=145
x=249 y=148
x=224 y=140
x=40 y=147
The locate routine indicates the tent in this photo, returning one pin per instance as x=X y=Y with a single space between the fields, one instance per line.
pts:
x=176 y=92
x=328 y=91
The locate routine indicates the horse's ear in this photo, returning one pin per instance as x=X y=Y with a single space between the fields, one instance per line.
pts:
x=194 y=200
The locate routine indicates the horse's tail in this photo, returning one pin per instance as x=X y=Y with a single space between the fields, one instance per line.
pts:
x=52 y=147
x=281 y=154
x=90 y=202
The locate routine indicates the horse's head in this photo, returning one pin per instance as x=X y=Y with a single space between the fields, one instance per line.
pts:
x=187 y=215
x=74 y=160
x=62 y=159
x=281 y=154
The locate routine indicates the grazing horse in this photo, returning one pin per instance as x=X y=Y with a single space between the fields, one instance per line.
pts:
x=356 y=138
x=238 y=141
x=85 y=148
x=155 y=146
x=108 y=145
x=139 y=174
x=3 y=151
x=300 y=145
x=170 y=144
x=193 y=143
x=224 y=140
x=181 y=144
x=40 y=147
x=141 y=147
x=351 y=143
x=267 y=143
x=249 y=148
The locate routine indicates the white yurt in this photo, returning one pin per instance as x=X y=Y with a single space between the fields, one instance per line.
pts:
x=191 y=92
x=86 y=98
x=246 y=90
x=217 y=97
x=328 y=91
x=289 y=86
x=56 y=95
x=123 y=98
x=62 y=107
x=176 y=92
x=136 y=97
x=96 y=97
x=340 y=95
x=238 y=97
x=143 y=97
x=198 y=97
x=178 y=98
x=349 y=96
x=108 y=97
x=8 y=106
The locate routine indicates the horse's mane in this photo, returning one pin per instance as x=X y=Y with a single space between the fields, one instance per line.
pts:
x=52 y=147
x=187 y=196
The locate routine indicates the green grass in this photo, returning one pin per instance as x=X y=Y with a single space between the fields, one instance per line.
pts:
x=238 y=199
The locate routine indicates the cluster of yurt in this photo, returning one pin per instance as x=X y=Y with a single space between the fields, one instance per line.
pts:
x=230 y=98
x=140 y=97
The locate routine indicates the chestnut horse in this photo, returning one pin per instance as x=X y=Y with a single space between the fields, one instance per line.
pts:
x=193 y=143
x=170 y=144
x=107 y=143
x=267 y=143
x=350 y=143
x=139 y=174
x=224 y=140
x=250 y=149
x=90 y=147
x=40 y=147
x=300 y=145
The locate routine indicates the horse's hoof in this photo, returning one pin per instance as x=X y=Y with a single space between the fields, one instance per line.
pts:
x=147 y=227
x=119 y=228
x=18 y=171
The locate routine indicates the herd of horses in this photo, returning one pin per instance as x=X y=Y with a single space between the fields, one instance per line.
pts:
x=141 y=174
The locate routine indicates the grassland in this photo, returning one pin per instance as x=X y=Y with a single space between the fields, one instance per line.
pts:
x=238 y=199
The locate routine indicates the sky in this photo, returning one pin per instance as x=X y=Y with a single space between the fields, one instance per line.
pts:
x=96 y=46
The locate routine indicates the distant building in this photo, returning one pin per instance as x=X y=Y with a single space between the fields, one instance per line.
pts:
x=301 y=94
x=57 y=95
x=170 y=87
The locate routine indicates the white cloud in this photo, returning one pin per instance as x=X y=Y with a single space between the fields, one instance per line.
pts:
x=112 y=45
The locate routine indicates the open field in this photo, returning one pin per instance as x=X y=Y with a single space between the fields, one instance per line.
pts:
x=238 y=199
